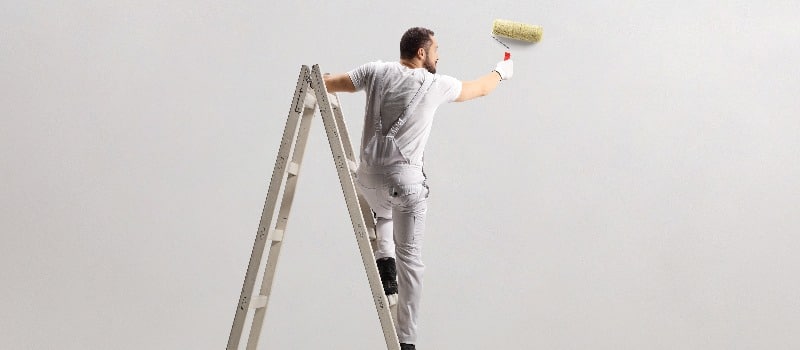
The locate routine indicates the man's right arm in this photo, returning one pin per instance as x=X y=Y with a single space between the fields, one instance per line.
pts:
x=479 y=87
x=487 y=83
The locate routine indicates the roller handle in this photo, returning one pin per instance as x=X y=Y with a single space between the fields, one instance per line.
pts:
x=507 y=57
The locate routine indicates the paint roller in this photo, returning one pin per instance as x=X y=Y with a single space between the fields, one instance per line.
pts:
x=515 y=30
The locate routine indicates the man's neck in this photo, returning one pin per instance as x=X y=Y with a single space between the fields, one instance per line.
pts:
x=411 y=63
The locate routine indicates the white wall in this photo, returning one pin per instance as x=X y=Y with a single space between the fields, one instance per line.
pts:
x=634 y=186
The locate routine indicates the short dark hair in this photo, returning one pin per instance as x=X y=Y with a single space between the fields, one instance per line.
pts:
x=413 y=39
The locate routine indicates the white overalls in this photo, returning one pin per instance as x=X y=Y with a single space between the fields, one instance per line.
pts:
x=395 y=188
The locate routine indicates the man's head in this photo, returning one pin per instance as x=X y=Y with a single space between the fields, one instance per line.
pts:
x=419 y=44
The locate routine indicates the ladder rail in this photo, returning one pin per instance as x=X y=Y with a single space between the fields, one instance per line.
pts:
x=282 y=220
x=351 y=157
x=276 y=183
x=354 y=208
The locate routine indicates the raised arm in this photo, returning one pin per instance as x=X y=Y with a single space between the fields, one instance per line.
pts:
x=487 y=83
x=338 y=83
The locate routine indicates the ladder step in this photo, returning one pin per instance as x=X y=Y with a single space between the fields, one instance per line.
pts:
x=258 y=302
x=293 y=168
x=275 y=235
x=333 y=99
x=310 y=100
x=352 y=166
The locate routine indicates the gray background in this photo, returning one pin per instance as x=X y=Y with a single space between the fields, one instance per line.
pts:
x=634 y=186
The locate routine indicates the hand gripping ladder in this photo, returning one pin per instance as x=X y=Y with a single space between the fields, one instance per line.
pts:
x=309 y=95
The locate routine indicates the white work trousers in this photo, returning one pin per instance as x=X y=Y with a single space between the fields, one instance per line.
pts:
x=398 y=196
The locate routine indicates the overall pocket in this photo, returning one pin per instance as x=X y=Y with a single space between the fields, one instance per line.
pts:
x=407 y=195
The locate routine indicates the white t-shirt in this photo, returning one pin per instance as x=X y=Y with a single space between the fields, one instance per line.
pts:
x=393 y=85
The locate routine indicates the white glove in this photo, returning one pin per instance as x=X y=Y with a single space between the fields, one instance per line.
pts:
x=505 y=69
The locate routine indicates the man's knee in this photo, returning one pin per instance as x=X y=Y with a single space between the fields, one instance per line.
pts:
x=409 y=253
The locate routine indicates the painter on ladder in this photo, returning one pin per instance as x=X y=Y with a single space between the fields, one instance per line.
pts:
x=402 y=98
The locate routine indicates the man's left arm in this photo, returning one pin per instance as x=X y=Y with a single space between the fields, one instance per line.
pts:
x=339 y=83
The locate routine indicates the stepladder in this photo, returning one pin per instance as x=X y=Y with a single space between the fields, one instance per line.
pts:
x=310 y=96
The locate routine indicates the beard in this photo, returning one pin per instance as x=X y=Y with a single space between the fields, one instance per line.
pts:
x=430 y=66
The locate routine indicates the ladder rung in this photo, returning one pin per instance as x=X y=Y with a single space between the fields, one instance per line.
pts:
x=258 y=302
x=293 y=168
x=275 y=235
x=311 y=99
x=333 y=99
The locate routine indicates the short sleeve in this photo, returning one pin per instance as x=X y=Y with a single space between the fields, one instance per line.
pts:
x=452 y=87
x=360 y=76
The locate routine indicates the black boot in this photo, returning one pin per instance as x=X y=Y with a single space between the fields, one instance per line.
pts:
x=404 y=346
x=388 y=272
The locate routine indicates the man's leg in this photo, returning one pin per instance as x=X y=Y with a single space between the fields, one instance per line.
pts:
x=384 y=249
x=409 y=229
x=385 y=257
x=385 y=236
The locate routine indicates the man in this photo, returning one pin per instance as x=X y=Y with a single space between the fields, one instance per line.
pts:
x=402 y=98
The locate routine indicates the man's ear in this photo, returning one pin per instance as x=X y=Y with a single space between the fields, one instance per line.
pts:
x=421 y=53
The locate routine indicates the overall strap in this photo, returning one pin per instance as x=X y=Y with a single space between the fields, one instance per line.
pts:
x=377 y=102
x=427 y=82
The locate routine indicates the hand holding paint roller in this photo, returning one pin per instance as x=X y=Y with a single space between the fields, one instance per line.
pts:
x=517 y=31
x=505 y=68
